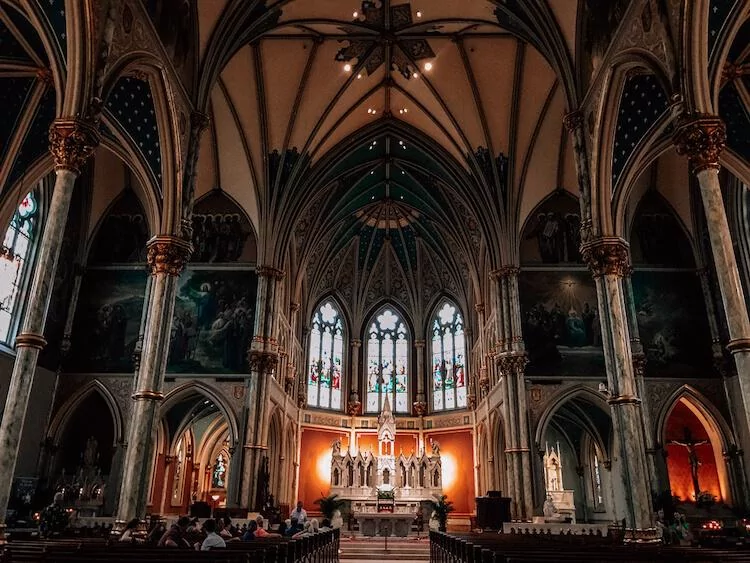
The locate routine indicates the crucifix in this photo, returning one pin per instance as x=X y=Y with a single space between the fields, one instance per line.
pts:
x=691 y=444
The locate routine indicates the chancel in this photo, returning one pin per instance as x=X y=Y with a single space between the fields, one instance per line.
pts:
x=374 y=268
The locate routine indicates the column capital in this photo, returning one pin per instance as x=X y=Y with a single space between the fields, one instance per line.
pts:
x=262 y=361
x=355 y=343
x=353 y=406
x=479 y=308
x=420 y=408
x=512 y=363
x=294 y=307
x=639 y=364
x=270 y=272
x=72 y=142
x=573 y=120
x=199 y=121
x=504 y=272
x=701 y=138
x=168 y=255
x=607 y=256
x=419 y=343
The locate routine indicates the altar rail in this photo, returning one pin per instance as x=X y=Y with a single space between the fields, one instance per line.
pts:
x=600 y=530
x=544 y=548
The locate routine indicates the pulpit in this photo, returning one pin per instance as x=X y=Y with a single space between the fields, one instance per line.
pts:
x=492 y=511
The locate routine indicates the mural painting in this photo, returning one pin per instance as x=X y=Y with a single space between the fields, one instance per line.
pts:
x=108 y=320
x=552 y=234
x=560 y=322
x=673 y=323
x=213 y=322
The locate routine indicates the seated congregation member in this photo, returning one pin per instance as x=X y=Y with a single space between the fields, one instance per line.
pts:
x=213 y=540
x=176 y=535
x=311 y=527
x=283 y=527
x=156 y=531
x=250 y=534
x=293 y=528
x=261 y=532
x=127 y=534
x=194 y=534
x=325 y=525
x=54 y=518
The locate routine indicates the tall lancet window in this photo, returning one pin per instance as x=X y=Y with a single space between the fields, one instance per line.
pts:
x=387 y=362
x=326 y=358
x=448 y=359
x=14 y=257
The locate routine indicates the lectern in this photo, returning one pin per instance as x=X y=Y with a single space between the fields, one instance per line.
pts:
x=492 y=511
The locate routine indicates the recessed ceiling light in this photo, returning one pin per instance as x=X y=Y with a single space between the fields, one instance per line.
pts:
x=359 y=75
x=355 y=14
x=419 y=13
x=347 y=67
x=414 y=75
x=428 y=66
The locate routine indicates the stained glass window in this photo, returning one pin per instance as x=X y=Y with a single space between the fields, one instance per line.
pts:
x=16 y=251
x=219 y=480
x=326 y=357
x=448 y=363
x=387 y=362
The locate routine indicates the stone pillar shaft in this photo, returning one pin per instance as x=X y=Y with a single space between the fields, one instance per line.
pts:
x=71 y=144
x=608 y=260
x=354 y=404
x=420 y=405
x=702 y=138
x=166 y=258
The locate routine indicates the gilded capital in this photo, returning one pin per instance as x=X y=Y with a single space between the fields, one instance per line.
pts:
x=701 y=138
x=199 y=121
x=262 y=361
x=607 y=256
x=71 y=143
x=168 y=255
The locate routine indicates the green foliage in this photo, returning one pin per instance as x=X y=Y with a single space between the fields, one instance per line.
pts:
x=330 y=504
x=441 y=506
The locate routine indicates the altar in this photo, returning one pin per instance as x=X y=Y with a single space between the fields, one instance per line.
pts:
x=384 y=523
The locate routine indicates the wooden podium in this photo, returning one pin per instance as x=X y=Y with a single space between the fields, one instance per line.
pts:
x=492 y=511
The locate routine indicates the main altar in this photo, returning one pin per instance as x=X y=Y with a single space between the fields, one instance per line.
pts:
x=386 y=491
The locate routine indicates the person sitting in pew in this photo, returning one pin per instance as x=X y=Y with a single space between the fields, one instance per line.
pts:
x=127 y=534
x=213 y=540
x=250 y=534
x=311 y=527
x=260 y=532
x=293 y=528
x=175 y=536
x=325 y=525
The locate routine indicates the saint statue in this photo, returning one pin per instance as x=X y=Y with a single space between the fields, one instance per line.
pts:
x=90 y=452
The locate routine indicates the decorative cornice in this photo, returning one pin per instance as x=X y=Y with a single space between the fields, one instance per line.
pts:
x=607 y=256
x=30 y=340
x=168 y=255
x=270 y=272
x=148 y=395
x=701 y=138
x=72 y=142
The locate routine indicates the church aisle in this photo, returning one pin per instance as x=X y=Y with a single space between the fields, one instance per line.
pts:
x=409 y=550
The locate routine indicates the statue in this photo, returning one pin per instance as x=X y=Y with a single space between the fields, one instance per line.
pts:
x=90 y=453
x=550 y=510
x=435 y=447
x=336 y=447
x=691 y=444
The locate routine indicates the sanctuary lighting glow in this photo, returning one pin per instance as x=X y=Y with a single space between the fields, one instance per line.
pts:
x=450 y=469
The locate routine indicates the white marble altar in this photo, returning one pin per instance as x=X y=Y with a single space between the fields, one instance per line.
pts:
x=385 y=523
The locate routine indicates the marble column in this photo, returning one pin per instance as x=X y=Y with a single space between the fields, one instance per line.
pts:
x=574 y=124
x=354 y=404
x=608 y=260
x=420 y=405
x=702 y=138
x=71 y=143
x=263 y=360
x=167 y=256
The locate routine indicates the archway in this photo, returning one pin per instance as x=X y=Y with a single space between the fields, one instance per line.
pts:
x=693 y=443
x=573 y=463
x=195 y=446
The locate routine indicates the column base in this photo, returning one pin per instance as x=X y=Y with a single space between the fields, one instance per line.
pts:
x=641 y=536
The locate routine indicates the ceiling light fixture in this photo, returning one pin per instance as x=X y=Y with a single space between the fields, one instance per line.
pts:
x=419 y=13
x=359 y=76
x=355 y=14
x=428 y=66
x=348 y=67
x=414 y=75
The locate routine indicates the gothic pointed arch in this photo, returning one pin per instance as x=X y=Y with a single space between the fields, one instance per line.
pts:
x=222 y=231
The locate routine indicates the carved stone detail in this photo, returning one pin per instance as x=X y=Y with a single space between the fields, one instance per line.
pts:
x=420 y=408
x=512 y=364
x=607 y=256
x=262 y=362
x=168 y=255
x=701 y=138
x=71 y=143
x=270 y=272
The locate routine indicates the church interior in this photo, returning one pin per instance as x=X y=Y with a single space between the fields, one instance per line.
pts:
x=259 y=252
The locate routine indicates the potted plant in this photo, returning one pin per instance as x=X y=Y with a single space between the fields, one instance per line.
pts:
x=441 y=507
x=329 y=505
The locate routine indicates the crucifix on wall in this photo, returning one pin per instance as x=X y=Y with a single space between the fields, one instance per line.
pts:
x=691 y=444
